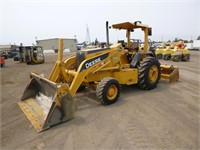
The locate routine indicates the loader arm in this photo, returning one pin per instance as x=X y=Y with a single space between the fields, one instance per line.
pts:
x=87 y=66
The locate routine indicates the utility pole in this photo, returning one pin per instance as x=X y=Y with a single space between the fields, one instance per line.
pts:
x=36 y=40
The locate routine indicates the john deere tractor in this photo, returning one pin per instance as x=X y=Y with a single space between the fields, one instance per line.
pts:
x=48 y=101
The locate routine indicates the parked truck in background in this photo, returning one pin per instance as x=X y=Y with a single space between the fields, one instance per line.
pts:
x=196 y=45
x=52 y=44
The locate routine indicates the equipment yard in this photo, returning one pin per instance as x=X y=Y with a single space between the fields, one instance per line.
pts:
x=166 y=117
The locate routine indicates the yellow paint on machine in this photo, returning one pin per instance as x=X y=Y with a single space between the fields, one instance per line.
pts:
x=33 y=112
x=101 y=69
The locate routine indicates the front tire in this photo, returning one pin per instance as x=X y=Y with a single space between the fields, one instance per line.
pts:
x=148 y=73
x=186 y=58
x=159 y=56
x=176 y=58
x=167 y=57
x=108 y=90
x=81 y=88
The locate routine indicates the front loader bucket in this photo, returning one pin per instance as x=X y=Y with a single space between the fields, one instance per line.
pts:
x=169 y=73
x=46 y=103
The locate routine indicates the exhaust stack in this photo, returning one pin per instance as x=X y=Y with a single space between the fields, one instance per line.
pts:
x=107 y=33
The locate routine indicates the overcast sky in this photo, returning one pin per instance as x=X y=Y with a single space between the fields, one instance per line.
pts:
x=23 y=21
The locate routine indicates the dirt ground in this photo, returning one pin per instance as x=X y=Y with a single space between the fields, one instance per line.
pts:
x=164 y=118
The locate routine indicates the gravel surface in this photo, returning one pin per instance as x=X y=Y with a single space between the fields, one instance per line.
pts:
x=164 y=118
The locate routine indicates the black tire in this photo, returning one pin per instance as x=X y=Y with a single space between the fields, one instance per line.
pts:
x=103 y=88
x=176 y=58
x=163 y=57
x=186 y=58
x=168 y=57
x=159 y=56
x=56 y=50
x=81 y=88
x=148 y=73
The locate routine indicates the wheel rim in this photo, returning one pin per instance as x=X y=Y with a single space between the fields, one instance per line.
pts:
x=112 y=92
x=153 y=73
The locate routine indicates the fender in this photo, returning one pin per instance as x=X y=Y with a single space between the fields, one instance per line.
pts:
x=137 y=57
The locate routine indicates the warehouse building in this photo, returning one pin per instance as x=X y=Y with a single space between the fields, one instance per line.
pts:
x=8 y=48
x=52 y=44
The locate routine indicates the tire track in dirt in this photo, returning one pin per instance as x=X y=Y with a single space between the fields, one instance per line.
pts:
x=164 y=118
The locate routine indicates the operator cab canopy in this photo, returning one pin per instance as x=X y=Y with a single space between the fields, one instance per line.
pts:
x=130 y=25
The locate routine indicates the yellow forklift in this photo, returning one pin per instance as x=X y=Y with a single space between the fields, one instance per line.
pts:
x=30 y=55
x=34 y=55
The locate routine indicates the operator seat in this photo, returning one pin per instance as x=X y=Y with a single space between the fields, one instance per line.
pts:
x=131 y=50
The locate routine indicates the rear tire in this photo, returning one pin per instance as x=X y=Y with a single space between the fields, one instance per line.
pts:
x=148 y=73
x=108 y=90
